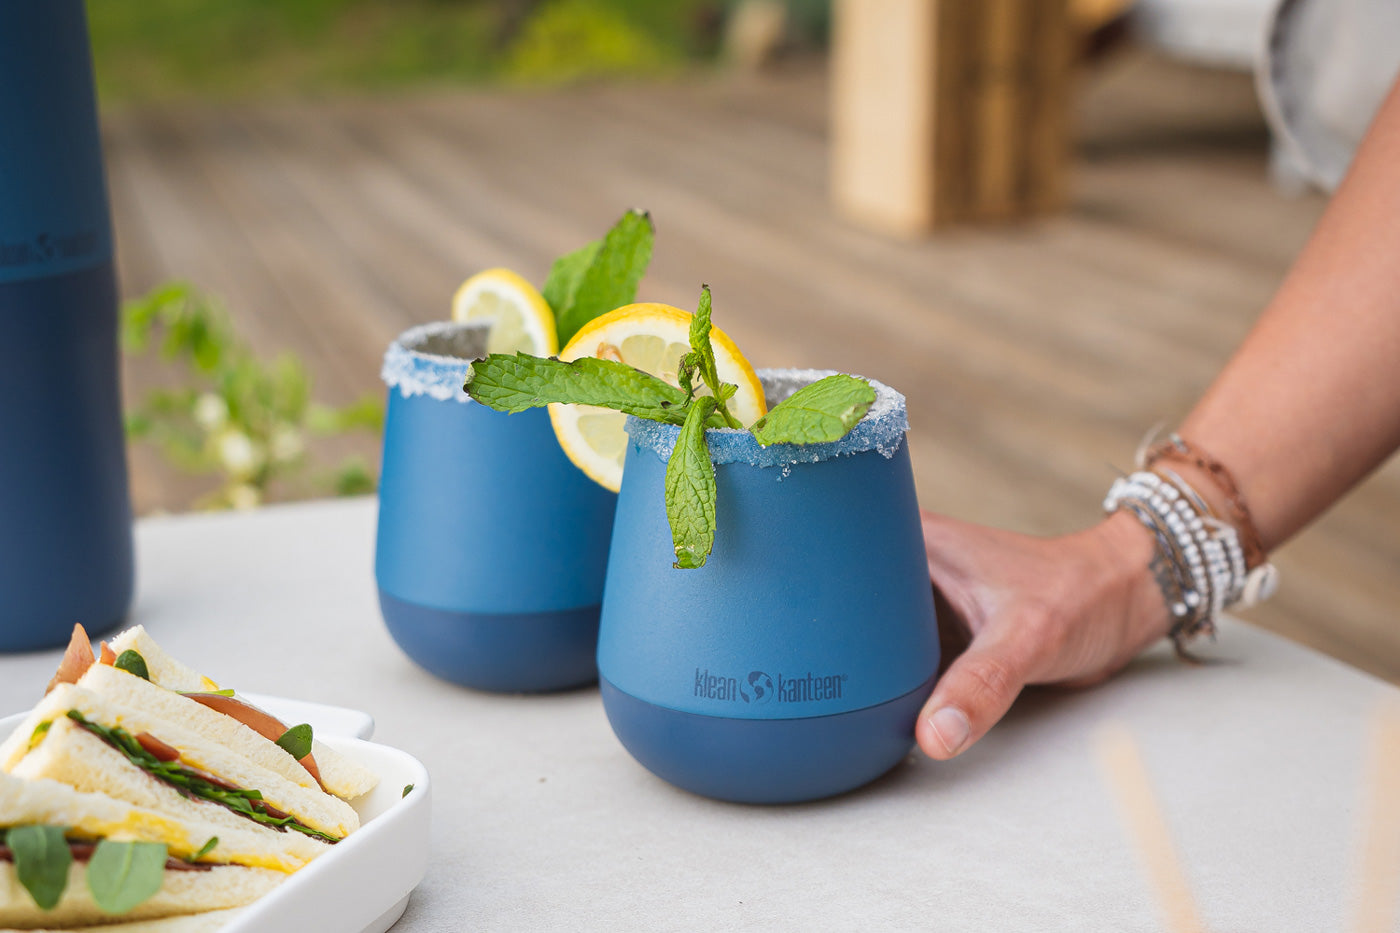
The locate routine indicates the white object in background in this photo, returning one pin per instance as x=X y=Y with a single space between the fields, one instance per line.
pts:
x=1325 y=69
x=362 y=884
x=1226 y=33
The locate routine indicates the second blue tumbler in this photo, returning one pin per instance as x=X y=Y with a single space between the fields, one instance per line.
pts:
x=492 y=546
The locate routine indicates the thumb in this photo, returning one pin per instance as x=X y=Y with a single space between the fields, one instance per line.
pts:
x=970 y=698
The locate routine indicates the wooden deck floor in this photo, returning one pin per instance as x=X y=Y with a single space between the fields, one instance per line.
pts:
x=1033 y=357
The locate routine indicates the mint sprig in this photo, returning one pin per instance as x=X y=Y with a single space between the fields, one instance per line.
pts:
x=601 y=276
x=561 y=287
x=122 y=875
x=701 y=360
x=515 y=383
x=822 y=412
x=690 y=489
x=42 y=858
x=819 y=413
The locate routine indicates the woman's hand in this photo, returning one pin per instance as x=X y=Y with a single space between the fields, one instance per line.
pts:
x=1070 y=610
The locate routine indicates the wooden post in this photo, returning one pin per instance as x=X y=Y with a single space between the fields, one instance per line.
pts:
x=948 y=111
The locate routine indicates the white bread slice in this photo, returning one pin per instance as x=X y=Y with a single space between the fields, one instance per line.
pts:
x=311 y=806
x=117 y=685
x=209 y=922
x=341 y=776
x=164 y=670
x=184 y=892
x=76 y=759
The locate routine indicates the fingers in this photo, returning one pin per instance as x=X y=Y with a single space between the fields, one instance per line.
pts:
x=970 y=698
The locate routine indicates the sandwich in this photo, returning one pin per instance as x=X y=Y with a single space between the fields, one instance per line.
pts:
x=134 y=741
x=336 y=773
x=110 y=726
x=71 y=858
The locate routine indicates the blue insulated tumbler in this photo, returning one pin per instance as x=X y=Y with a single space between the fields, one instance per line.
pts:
x=65 y=516
x=492 y=546
x=793 y=665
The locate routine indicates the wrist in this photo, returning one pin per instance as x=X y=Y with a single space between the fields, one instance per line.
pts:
x=1128 y=551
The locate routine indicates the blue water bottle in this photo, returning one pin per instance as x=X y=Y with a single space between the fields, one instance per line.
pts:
x=65 y=515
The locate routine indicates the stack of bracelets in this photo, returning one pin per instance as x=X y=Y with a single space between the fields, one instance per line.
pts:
x=1204 y=564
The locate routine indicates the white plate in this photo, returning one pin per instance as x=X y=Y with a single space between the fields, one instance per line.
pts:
x=362 y=884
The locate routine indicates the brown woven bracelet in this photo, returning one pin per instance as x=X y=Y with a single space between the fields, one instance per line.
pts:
x=1179 y=449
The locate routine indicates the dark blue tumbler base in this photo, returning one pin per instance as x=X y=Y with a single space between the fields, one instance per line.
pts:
x=530 y=652
x=765 y=760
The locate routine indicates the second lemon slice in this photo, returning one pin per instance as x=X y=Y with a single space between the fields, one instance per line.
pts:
x=519 y=316
x=652 y=338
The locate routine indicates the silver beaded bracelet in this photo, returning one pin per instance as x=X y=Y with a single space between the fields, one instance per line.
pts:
x=1199 y=564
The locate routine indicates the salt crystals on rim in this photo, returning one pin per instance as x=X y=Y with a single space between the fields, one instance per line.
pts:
x=433 y=359
x=882 y=429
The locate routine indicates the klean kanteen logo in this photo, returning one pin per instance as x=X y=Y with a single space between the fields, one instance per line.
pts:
x=758 y=687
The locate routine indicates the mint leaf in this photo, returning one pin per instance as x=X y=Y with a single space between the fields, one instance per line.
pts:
x=822 y=412
x=561 y=287
x=612 y=277
x=132 y=662
x=690 y=489
x=122 y=875
x=702 y=358
x=296 y=741
x=42 y=858
x=515 y=383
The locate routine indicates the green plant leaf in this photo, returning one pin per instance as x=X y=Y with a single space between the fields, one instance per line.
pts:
x=702 y=354
x=122 y=875
x=42 y=858
x=611 y=279
x=407 y=789
x=353 y=477
x=513 y=383
x=561 y=287
x=690 y=489
x=205 y=849
x=296 y=741
x=132 y=662
x=822 y=412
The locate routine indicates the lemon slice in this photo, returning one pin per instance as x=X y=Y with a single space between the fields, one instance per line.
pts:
x=652 y=338
x=520 y=317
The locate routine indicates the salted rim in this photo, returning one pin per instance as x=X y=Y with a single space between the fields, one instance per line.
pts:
x=882 y=429
x=414 y=370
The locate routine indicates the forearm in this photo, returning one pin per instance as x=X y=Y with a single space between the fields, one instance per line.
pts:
x=1310 y=403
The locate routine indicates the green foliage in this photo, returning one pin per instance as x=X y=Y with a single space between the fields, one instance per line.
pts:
x=244 y=419
x=568 y=40
x=161 y=49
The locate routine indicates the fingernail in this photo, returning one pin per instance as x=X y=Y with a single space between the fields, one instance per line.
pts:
x=952 y=728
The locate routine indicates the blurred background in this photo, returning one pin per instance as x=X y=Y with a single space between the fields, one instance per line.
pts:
x=1047 y=222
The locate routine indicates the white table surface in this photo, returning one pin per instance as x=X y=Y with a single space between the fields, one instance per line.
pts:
x=543 y=822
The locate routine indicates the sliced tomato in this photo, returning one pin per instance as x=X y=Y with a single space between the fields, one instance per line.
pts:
x=263 y=723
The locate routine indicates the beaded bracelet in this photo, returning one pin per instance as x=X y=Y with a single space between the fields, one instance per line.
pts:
x=1199 y=564
x=1261 y=580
